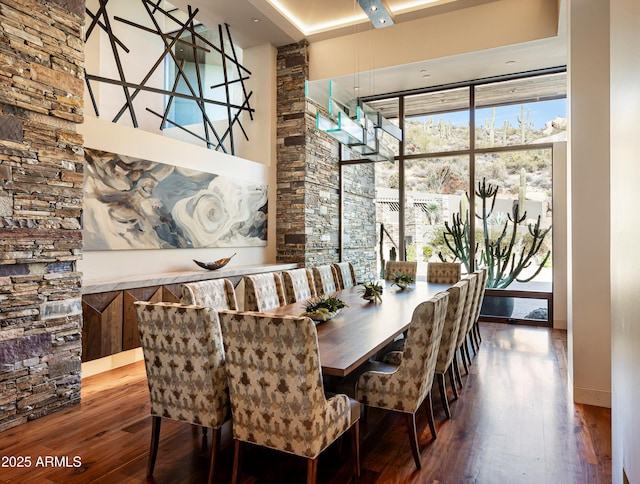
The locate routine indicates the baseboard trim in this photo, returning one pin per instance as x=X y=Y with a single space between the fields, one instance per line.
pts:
x=107 y=363
x=588 y=396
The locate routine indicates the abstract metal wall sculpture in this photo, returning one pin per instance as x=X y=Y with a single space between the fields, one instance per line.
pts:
x=188 y=37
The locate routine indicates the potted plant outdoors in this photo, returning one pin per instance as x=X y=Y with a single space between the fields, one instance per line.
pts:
x=505 y=253
x=402 y=280
x=323 y=308
x=372 y=291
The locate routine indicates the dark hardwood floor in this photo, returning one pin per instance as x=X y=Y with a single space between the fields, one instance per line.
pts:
x=514 y=422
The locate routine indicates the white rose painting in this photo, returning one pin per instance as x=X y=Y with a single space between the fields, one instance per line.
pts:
x=131 y=203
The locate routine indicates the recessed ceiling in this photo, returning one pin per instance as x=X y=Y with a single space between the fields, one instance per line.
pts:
x=281 y=22
x=314 y=17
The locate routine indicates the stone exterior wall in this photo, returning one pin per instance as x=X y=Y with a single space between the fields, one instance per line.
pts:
x=41 y=100
x=308 y=211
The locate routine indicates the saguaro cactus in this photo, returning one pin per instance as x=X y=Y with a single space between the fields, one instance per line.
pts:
x=504 y=256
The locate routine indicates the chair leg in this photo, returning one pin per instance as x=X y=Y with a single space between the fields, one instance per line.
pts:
x=215 y=450
x=365 y=412
x=452 y=381
x=312 y=470
x=474 y=338
x=237 y=458
x=465 y=348
x=456 y=369
x=477 y=328
x=155 y=439
x=355 y=447
x=443 y=394
x=432 y=425
x=464 y=361
x=413 y=438
x=469 y=345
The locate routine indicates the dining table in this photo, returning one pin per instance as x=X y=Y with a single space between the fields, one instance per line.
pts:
x=363 y=328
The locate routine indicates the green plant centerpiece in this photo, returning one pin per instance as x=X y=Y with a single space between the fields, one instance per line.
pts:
x=402 y=280
x=372 y=291
x=505 y=252
x=323 y=308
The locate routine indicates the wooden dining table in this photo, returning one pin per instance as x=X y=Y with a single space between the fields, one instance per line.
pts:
x=363 y=328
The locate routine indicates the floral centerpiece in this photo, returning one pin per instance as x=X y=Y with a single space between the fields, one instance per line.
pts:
x=323 y=308
x=402 y=280
x=372 y=291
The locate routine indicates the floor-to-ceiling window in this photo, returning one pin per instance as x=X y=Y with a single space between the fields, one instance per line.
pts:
x=485 y=141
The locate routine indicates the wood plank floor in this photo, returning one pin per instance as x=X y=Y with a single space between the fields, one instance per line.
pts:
x=514 y=422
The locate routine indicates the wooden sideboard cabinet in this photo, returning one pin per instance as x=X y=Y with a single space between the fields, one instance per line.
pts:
x=110 y=325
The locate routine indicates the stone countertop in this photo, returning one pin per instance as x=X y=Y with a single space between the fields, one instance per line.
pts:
x=93 y=286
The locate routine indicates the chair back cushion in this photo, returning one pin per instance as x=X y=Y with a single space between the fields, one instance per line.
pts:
x=400 y=267
x=263 y=292
x=444 y=272
x=275 y=384
x=184 y=358
x=447 y=350
x=346 y=274
x=468 y=308
x=325 y=279
x=298 y=285
x=214 y=293
x=405 y=389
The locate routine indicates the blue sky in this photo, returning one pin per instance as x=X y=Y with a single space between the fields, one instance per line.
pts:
x=540 y=113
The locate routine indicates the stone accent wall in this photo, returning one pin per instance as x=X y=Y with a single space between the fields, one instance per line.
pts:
x=359 y=219
x=308 y=178
x=41 y=100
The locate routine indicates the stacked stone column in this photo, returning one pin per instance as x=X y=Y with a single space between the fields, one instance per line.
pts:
x=41 y=101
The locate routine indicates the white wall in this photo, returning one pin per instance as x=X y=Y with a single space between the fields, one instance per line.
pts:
x=106 y=265
x=625 y=234
x=560 y=235
x=255 y=160
x=589 y=302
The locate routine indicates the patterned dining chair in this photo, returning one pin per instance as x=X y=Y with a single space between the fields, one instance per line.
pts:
x=444 y=272
x=263 y=292
x=467 y=314
x=474 y=311
x=326 y=279
x=184 y=359
x=346 y=275
x=213 y=293
x=298 y=285
x=447 y=350
x=392 y=268
x=403 y=388
x=275 y=386
x=476 y=324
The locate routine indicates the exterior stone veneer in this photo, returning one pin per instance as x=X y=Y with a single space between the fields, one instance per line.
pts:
x=41 y=102
x=308 y=181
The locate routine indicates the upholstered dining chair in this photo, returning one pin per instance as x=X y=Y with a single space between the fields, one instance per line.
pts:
x=468 y=341
x=184 y=359
x=476 y=325
x=392 y=268
x=263 y=292
x=447 y=349
x=467 y=314
x=346 y=274
x=298 y=285
x=325 y=279
x=405 y=387
x=213 y=293
x=275 y=386
x=444 y=272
